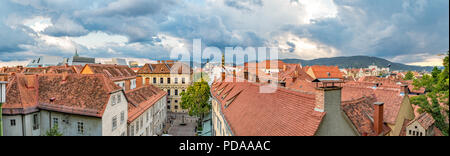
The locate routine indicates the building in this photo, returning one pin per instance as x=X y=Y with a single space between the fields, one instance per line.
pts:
x=3 y=85
x=147 y=111
x=397 y=105
x=77 y=60
x=121 y=75
x=45 y=61
x=116 y=61
x=324 y=72
x=240 y=109
x=172 y=77
x=423 y=125
x=81 y=105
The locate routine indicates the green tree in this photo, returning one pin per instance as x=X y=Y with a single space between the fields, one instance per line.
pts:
x=409 y=76
x=53 y=131
x=437 y=86
x=196 y=99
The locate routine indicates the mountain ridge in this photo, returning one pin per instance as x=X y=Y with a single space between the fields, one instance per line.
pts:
x=358 y=62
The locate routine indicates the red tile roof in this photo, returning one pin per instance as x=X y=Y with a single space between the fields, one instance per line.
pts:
x=69 y=93
x=361 y=113
x=141 y=99
x=321 y=72
x=251 y=113
x=41 y=70
x=390 y=96
x=165 y=68
x=425 y=120
x=113 y=72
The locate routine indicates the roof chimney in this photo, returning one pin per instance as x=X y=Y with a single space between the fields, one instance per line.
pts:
x=223 y=76
x=405 y=89
x=267 y=64
x=378 y=117
x=246 y=71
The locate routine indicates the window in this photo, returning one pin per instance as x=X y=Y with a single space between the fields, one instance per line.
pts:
x=137 y=126
x=168 y=80
x=113 y=99
x=154 y=80
x=132 y=130
x=80 y=127
x=122 y=117
x=176 y=80
x=168 y=92
x=176 y=107
x=13 y=122
x=119 y=98
x=176 y=91
x=176 y=101
x=55 y=121
x=183 y=80
x=142 y=122
x=114 y=123
x=168 y=107
x=161 y=80
x=168 y=101
x=35 y=122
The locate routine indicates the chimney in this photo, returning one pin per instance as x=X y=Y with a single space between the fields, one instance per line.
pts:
x=139 y=80
x=267 y=64
x=223 y=75
x=328 y=100
x=405 y=89
x=378 y=117
x=246 y=71
x=234 y=73
x=284 y=67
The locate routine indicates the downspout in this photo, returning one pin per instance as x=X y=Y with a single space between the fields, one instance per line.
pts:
x=23 y=125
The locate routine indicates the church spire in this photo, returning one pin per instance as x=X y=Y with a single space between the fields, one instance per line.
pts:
x=76 y=53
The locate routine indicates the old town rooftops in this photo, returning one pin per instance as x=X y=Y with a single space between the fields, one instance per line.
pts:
x=68 y=93
x=165 y=68
x=325 y=72
x=391 y=97
x=361 y=114
x=141 y=99
x=41 y=70
x=282 y=113
x=114 y=72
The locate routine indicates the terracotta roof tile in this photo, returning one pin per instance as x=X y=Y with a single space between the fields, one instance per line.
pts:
x=282 y=113
x=141 y=99
x=390 y=96
x=69 y=93
x=114 y=72
x=326 y=72
x=165 y=68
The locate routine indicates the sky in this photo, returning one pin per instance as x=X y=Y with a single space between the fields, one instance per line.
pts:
x=413 y=32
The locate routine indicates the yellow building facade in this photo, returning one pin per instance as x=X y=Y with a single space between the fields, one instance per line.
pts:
x=170 y=78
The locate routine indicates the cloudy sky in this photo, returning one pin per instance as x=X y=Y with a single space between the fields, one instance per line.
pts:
x=405 y=31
